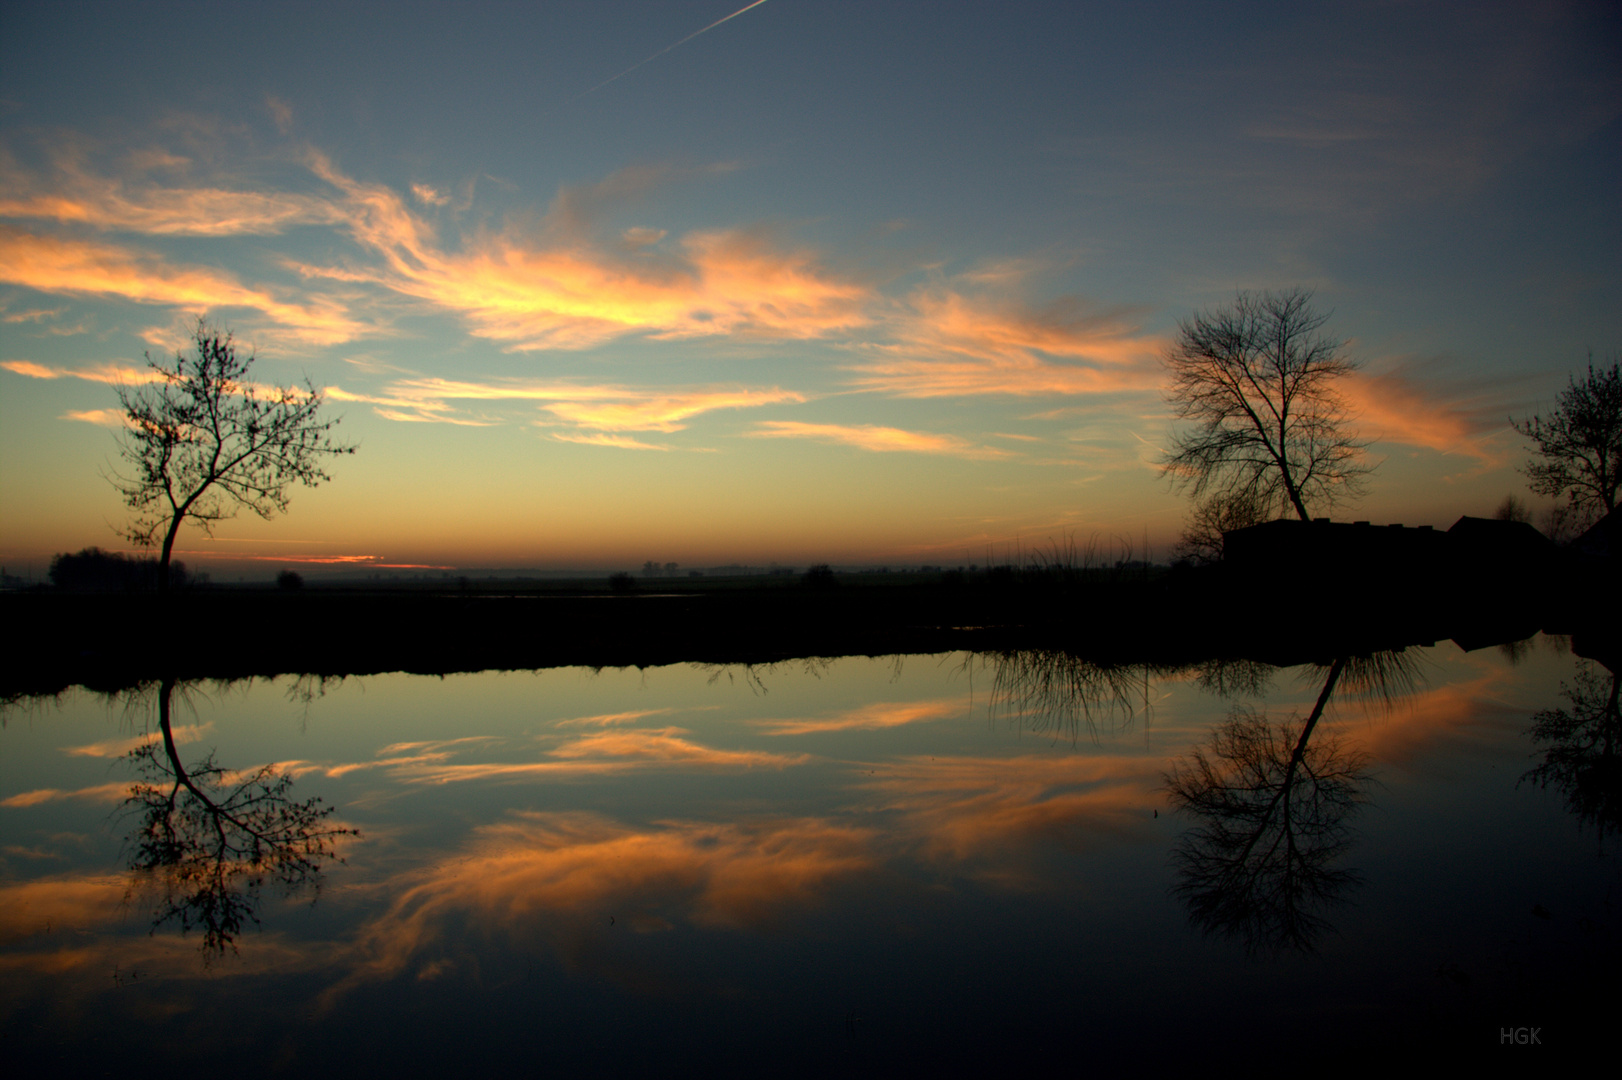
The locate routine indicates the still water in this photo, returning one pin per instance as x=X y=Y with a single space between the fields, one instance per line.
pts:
x=855 y=864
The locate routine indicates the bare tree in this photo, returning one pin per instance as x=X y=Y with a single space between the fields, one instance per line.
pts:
x=1580 y=444
x=204 y=442
x=1258 y=380
x=1214 y=515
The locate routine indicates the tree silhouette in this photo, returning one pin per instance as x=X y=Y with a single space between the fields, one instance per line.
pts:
x=1580 y=444
x=1258 y=380
x=210 y=838
x=204 y=442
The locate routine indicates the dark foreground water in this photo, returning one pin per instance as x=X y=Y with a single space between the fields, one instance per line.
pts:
x=928 y=863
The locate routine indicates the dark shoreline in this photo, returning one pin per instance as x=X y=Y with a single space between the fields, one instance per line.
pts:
x=1155 y=616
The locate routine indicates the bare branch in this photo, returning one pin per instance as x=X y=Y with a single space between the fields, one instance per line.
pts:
x=1580 y=444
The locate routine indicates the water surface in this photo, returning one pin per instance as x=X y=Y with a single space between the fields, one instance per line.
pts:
x=877 y=865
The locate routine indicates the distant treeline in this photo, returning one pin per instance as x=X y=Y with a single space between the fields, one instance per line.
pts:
x=95 y=570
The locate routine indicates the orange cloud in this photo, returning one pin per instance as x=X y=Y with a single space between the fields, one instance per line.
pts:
x=104 y=204
x=949 y=343
x=72 y=195
x=111 y=374
x=623 y=442
x=1395 y=408
x=60 y=265
x=560 y=290
x=609 y=751
x=31 y=369
x=600 y=407
x=52 y=905
x=874 y=437
x=554 y=876
x=966 y=809
x=883 y=714
x=607 y=719
x=113 y=748
x=99 y=793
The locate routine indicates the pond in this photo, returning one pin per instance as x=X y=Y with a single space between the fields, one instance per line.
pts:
x=865 y=865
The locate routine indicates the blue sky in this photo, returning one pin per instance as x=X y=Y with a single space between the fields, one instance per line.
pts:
x=845 y=282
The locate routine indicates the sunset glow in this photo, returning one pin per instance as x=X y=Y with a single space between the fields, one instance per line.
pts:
x=742 y=284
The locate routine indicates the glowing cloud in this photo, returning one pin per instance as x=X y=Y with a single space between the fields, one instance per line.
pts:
x=622 y=442
x=560 y=290
x=599 y=408
x=945 y=342
x=969 y=808
x=551 y=876
x=883 y=714
x=110 y=748
x=612 y=750
x=31 y=369
x=1393 y=407
x=876 y=438
x=60 y=265
x=109 y=793
x=111 y=374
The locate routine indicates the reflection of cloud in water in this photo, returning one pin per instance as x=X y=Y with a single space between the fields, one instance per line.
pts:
x=65 y=904
x=1408 y=734
x=117 y=748
x=561 y=878
x=595 y=753
x=106 y=793
x=557 y=879
x=963 y=809
x=881 y=714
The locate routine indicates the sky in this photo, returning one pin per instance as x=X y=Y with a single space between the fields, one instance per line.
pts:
x=878 y=283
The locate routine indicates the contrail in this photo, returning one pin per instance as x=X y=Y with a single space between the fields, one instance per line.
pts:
x=666 y=49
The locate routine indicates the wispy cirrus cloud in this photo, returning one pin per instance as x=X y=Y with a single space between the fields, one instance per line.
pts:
x=65 y=265
x=71 y=193
x=114 y=418
x=559 y=287
x=113 y=374
x=877 y=438
x=878 y=715
x=33 y=315
x=601 y=438
x=973 y=808
x=111 y=748
x=598 y=408
x=567 y=281
x=104 y=793
x=956 y=339
x=1458 y=418
x=551 y=876
x=613 y=749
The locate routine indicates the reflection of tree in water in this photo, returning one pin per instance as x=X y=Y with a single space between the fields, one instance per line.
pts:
x=1582 y=749
x=1065 y=693
x=1274 y=807
x=209 y=838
